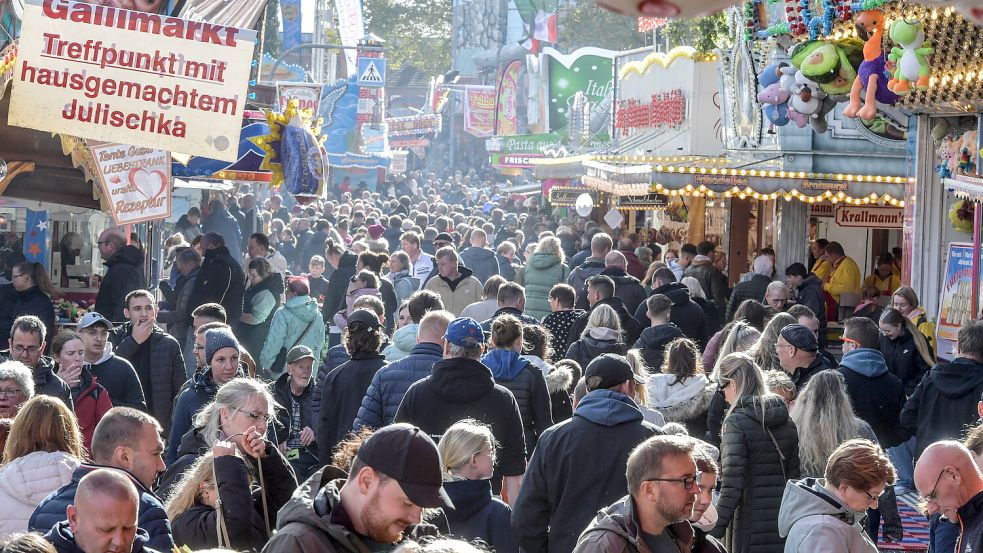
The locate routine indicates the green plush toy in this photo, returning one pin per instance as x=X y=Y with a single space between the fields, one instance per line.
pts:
x=911 y=59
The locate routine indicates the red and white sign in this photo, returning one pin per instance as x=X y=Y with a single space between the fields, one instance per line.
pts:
x=869 y=216
x=105 y=73
x=307 y=95
x=136 y=181
x=664 y=110
x=479 y=111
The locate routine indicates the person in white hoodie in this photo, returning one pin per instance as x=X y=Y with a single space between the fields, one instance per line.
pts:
x=43 y=450
x=681 y=391
x=826 y=515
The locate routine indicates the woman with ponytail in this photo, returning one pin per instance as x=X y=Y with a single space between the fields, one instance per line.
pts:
x=33 y=294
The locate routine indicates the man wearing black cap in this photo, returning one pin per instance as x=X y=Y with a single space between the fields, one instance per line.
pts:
x=394 y=476
x=461 y=387
x=579 y=465
x=798 y=353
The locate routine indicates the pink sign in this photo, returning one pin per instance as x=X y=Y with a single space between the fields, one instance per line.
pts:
x=479 y=111
x=506 y=109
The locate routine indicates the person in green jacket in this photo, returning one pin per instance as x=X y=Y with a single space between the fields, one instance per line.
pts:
x=298 y=322
x=546 y=267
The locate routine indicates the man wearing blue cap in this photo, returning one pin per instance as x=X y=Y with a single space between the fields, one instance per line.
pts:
x=461 y=387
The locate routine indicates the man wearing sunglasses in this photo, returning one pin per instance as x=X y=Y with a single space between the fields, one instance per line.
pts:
x=951 y=484
x=664 y=483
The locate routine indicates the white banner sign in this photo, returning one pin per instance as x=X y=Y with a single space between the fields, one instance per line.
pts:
x=136 y=181
x=307 y=95
x=122 y=76
x=351 y=28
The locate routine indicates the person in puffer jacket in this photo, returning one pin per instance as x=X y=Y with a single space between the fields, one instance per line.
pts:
x=545 y=268
x=390 y=383
x=522 y=378
x=467 y=452
x=297 y=323
x=404 y=340
x=601 y=335
x=828 y=514
x=653 y=340
x=681 y=392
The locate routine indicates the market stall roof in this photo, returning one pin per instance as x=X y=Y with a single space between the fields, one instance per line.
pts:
x=743 y=177
x=965 y=187
x=42 y=171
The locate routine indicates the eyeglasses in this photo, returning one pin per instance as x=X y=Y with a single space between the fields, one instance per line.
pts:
x=18 y=276
x=931 y=494
x=10 y=393
x=871 y=498
x=778 y=346
x=21 y=350
x=687 y=482
x=850 y=341
x=256 y=417
x=197 y=347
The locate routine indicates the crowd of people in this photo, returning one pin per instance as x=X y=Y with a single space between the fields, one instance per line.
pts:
x=439 y=366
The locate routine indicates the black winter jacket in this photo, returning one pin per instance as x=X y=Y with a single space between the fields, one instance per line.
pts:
x=166 y=371
x=482 y=261
x=630 y=328
x=309 y=401
x=334 y=298
x=33 y=302
x=124 y=274
x=578 y=468
x=478 y=515
x=523 y=318
x=527 y=384
x=341 y=396
x=753 y=289
x=759 y=453
x=391 y=304
x=810 y=294
x=971 y=516
x=944 y=403
x=653 y=341
x=684 y=313
x=460 y=388
x=578 y=278
x=713 y=282
x=586 y=349
x=626 y=287
x=120 y=380
x=221 y=281
x=876 y=394
x=242 y=506
x=802 y=375
x=903 y=359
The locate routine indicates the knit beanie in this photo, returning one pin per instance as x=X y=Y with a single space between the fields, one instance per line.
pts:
x=218 y=338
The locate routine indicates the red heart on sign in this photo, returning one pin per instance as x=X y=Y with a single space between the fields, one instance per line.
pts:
x=149 y=184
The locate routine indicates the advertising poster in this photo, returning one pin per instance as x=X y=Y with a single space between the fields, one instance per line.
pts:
x=308 y=95
x=506 y=107
x=135 y=181
x=955 y=304
x=291 y=14
x=587 y=70
x=115 y=75
x=479 y=111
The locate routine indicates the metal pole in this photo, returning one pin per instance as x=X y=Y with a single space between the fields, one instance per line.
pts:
x=977 y=223
x=323 y=47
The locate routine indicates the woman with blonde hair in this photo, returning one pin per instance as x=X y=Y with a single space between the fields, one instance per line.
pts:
x=763 y=352
x=641 y=395
x=759 y=453
x=467 y=451
x=544 y=268
x=240 y=413
x=192 y=508
x=907 y=352
x=740 y=337
x=42 y=451
x=681 y=391
x=602 y=334
x=520 y=376
x=905 y=300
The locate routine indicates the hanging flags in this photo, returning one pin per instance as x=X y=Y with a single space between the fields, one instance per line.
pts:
x=291 y=14
x=36 y=237
x=544 y=29
x=351 y=27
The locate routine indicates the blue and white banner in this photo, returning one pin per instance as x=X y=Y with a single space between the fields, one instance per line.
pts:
x=290 y=14
x=36 y=236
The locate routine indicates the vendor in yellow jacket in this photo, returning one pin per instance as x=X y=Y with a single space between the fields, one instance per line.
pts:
x=821 y=268
x=845 y=277
x=884 y=278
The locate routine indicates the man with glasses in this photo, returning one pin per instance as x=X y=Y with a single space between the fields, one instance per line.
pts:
x=578 y=466
x=115 y=374
x=951 y=485
x=776 y=296
x=663 y=485
x=26 y=344
x=798 y=354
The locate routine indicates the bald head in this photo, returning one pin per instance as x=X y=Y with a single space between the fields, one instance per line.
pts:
x=615 y=259
x=103 y=516
x=110 y=482
x=947 y=477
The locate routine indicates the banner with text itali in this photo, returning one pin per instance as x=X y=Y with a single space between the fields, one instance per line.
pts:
x=105 y=73
x=135 y=181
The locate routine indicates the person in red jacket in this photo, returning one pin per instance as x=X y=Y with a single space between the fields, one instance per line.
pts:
x=90 y=399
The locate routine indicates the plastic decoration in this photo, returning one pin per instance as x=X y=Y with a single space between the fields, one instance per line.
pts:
x=872 y=77
x=911 y=59
x=961 y=215
x=293 y=149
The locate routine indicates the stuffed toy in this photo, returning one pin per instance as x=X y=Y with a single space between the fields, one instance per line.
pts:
x=911 y=59
x=872 y=75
